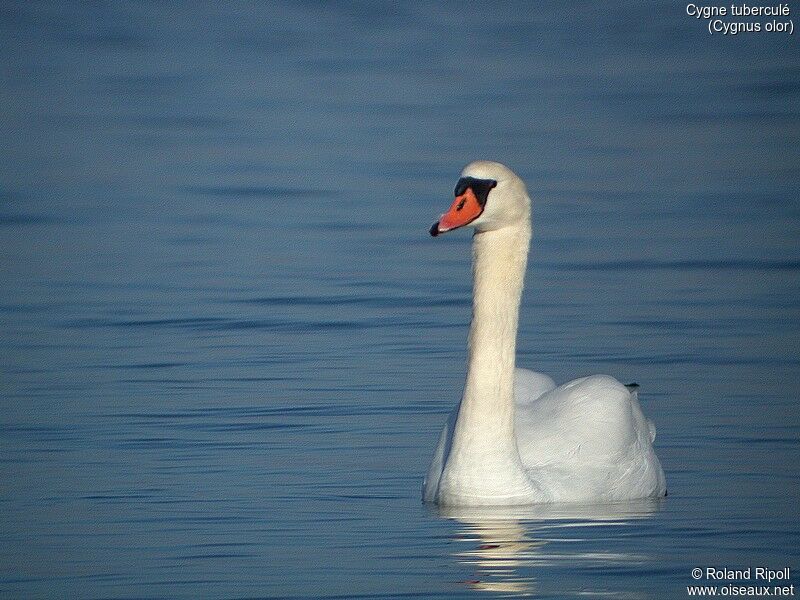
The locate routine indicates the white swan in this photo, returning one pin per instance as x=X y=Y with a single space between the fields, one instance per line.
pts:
x=516 y=438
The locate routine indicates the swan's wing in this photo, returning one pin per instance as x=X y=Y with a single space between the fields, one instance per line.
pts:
x=588 y=417
x=589 y=438
x=529 y=385
x=430 y=486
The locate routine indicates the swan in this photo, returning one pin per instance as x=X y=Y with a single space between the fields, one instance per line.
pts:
x=516 y=438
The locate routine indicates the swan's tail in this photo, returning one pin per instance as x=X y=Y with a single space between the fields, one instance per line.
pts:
x=633 y=388
x=651 y=426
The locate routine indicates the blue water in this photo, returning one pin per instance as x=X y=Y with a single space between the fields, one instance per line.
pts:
x=227 y=342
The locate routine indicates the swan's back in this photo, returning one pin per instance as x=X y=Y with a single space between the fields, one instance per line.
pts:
x=529 y=385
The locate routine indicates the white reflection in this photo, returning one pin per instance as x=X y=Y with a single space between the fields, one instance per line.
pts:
x=506 y=539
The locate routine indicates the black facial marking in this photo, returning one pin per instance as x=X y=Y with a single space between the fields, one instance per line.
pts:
x=480 y=187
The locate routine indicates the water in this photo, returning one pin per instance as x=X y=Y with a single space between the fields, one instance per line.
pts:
x=228 y=343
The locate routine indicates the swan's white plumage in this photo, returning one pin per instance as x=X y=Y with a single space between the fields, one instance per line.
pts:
x=516 y=438
x=584 y=441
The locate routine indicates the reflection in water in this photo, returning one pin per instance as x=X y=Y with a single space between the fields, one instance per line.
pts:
x=508 y=539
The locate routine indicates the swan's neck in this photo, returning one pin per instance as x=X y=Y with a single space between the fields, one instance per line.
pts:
x=498 y=269
x=484 y=445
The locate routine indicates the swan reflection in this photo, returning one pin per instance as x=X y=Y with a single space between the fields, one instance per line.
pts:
x=507 y=540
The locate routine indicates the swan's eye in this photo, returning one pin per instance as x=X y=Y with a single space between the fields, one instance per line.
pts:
x=479 y=187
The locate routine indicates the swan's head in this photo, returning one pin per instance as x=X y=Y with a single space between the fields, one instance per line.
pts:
x=487 y=196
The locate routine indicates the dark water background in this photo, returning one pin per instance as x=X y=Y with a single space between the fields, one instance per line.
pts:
x=227 y=342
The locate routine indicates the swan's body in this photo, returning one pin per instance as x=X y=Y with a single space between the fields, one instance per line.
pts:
x=516 y=438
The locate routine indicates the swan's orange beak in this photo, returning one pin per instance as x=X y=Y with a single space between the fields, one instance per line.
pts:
x=465 y=210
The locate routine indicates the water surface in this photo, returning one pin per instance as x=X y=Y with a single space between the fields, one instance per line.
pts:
x=228 y=344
